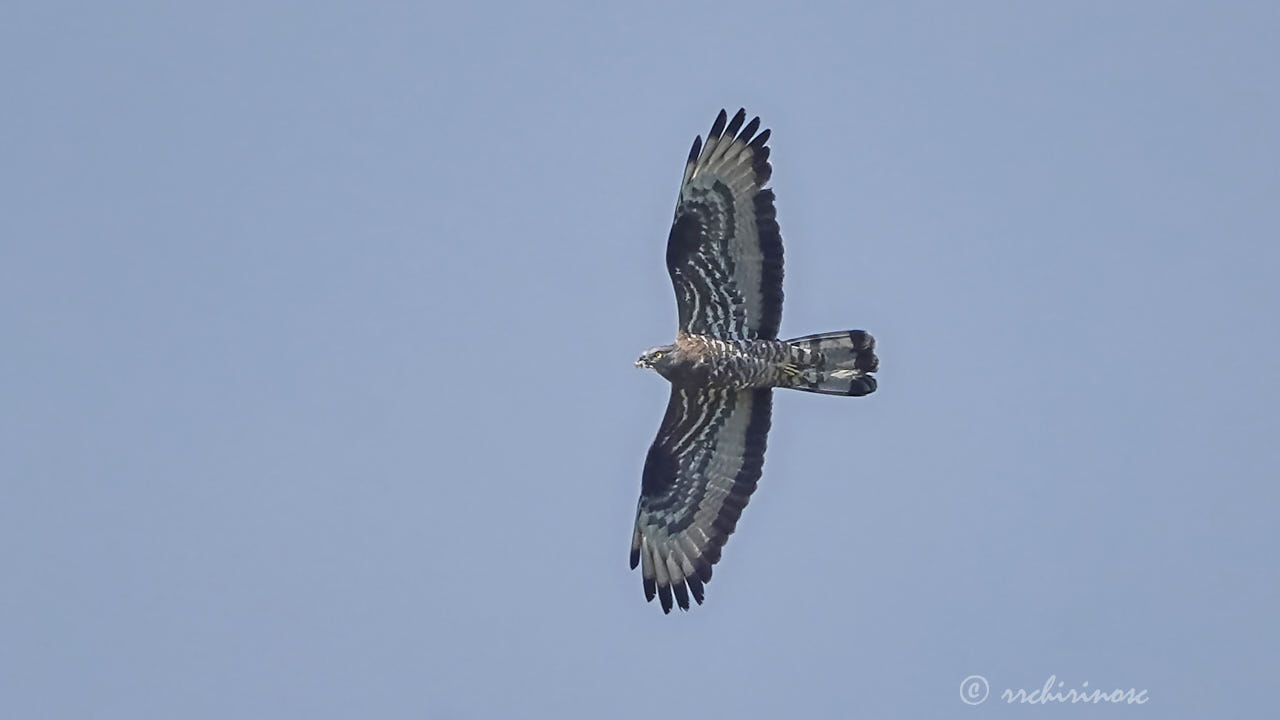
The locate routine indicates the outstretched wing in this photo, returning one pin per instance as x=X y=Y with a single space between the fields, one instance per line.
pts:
x=701 y=470
x=724 y=253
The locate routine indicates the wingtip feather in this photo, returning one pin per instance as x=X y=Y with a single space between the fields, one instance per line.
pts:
x=664 y=597
x=682 y=595
x=736 y=123
x=717 y=128
x=695 y=588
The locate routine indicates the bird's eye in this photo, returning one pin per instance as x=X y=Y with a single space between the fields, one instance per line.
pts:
x=657 y=356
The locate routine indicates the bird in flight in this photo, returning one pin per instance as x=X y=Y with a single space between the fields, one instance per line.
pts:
x=724 y=255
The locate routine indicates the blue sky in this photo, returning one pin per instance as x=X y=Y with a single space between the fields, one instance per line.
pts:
x=317 y=389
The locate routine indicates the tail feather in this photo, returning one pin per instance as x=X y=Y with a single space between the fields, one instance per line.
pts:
x=836 y=363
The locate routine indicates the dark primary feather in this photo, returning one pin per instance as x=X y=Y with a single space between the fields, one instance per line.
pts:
x=736 y=123
x=717 y=127
x=697 y=148
x=724 y=252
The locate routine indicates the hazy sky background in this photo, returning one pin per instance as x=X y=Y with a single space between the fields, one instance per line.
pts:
x=317 y=397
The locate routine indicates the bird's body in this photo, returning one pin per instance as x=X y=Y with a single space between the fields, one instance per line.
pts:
x=738 y=364
x=724 y=255
x=727 y=363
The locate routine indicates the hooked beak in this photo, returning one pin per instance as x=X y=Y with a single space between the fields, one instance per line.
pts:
x=640 y=364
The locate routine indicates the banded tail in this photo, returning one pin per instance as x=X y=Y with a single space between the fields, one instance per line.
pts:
x=835 y=363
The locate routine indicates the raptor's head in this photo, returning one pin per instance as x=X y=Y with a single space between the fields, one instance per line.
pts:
x=659 y=358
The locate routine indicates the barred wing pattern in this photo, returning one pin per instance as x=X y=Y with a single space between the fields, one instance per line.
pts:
x=698 y=477
x=724 y=253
